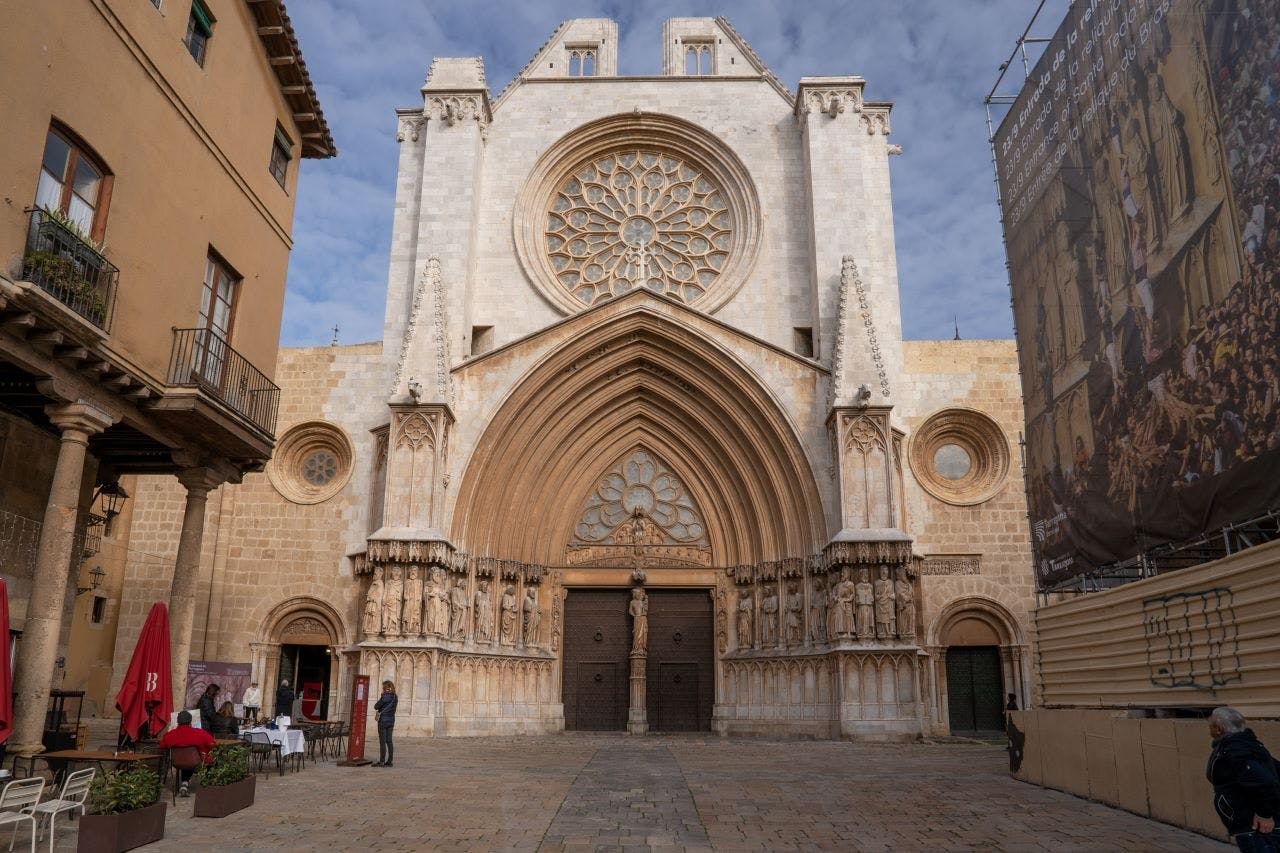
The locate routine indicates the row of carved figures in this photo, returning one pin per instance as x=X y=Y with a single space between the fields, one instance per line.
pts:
x=881 y=611
x=399 y=604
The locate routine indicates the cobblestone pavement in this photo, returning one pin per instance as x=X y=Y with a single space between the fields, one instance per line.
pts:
x=588 y=792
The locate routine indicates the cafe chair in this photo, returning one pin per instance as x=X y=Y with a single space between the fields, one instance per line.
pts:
x=261 y=746
x=16 y=802
x=182 y=758
x=74 y=793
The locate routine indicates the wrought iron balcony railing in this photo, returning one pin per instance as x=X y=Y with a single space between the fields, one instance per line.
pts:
x=203 y=359
x=69 y=269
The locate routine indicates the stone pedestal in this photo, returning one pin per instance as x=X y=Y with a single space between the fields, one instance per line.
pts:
x=637 y=715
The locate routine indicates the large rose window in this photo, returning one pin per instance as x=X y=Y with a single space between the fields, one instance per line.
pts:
x=638 y=219
x=639 y=499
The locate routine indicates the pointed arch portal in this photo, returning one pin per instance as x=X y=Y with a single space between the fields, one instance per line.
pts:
x=641 y=380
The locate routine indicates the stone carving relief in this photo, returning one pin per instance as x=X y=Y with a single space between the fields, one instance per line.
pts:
x=428 y=280
x=392 y=598
x=722 y=619
x=306 y=625
x=865 y=598
x=371 y=624
x=452 y=109
x=637 y=219
x=532 y=624
x=458 y=608
x=746 y=619
x=794 y=615
x=864 y=462
x=905 y=600
x=412 y=615
x=769 y=617
x=886 y=606
x=556 y=605
x=437 y=622
x=483 y=612
x=849 y=277
x=507 y=625
x=951 y=564
x=639 y=610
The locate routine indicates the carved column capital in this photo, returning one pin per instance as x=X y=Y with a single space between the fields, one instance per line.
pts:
x=83 y=419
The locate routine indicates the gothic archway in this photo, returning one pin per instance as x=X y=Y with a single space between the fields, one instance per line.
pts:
x=299 y=639
x=640 y=379
x=976 y=640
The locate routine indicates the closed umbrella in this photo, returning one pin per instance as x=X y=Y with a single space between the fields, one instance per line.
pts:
x=146 y=696
x=6 y=674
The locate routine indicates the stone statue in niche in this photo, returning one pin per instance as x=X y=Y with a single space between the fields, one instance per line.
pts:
x=906 y=601
x=392 y=601
x=458 y=610
x=484 y=613
x=508 y=625
x=532 y=617
x=818 y=610
x=885 y=599
x=841 y=622
x=746 y=612
x=411 y=619
x=639 y=610
x=372 y=622
x=438 y=604
x=866 y=599
x=794 y=614
x=769 y=618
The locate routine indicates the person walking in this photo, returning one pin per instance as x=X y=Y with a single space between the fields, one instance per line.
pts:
x=1246 y=784
x=385 y=708
x=284 y=700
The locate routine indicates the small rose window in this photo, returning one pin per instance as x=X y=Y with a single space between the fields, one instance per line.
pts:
x=312 y=462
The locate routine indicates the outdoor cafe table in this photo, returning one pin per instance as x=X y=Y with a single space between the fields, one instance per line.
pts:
x=290 y=740
x=59 y=760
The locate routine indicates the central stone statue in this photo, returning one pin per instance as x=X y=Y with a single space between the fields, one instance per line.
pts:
x=639 y=610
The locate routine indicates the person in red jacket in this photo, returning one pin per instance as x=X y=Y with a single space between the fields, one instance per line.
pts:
x=184 y=735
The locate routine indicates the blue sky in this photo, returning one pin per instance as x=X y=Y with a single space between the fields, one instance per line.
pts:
x=935 y=59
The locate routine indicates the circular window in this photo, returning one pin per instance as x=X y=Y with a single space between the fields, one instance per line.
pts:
x=634 y=202
x=960 y=456
x=311 y=463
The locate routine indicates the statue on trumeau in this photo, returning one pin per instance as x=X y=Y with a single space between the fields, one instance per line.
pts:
x=372 y=622
x=639 y=610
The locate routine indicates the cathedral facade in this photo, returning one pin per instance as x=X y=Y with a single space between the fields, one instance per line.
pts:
x=642 y=446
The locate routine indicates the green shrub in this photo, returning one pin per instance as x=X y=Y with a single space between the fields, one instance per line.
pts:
x=125 y=790
x=230 y=764
x=52 y=270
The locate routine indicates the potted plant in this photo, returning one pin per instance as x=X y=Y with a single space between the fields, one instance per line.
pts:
x=125 y=811
x=226 y=785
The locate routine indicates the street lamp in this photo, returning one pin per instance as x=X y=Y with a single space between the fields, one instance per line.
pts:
x=96 y=574
x=113 y=497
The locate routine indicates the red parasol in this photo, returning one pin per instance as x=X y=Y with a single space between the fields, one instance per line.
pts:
x=147 y=691
x=6 y=674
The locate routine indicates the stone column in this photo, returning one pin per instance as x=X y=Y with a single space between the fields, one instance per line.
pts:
x=33 y=673
x=186 y=572
x=637 y=713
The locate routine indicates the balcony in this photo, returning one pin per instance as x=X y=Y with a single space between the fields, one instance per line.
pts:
x=65 y=266
x=204 y=361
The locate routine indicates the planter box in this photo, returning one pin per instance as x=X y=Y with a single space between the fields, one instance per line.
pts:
x=114 y=833
x=223 y=800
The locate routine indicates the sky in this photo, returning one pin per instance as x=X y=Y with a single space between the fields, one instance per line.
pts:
x=935 y=59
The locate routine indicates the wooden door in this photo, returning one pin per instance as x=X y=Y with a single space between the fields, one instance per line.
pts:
x=680 y=675
x=974 y=689
x=597 y=642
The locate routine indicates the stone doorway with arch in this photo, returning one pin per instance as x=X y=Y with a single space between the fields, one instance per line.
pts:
x=299 y=642
x=979 y=659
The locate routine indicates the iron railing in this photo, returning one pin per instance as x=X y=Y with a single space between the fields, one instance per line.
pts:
x=69 y=269
x=203 y=359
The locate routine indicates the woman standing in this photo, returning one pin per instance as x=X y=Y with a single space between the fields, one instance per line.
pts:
x=385 y=707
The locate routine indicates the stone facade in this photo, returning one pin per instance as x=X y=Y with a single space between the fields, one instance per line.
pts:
x=640 y=332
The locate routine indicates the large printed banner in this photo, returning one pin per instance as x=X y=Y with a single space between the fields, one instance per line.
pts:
x=233 y=678
x=1140 y=181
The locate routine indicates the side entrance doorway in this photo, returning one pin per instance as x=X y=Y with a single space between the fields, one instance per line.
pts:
x=597 y=660
x=307 y=668
x=974 y=689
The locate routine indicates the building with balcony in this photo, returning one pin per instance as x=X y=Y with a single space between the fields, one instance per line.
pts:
x=148 y=174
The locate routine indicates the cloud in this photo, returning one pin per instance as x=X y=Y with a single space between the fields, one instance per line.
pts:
x=936 y=61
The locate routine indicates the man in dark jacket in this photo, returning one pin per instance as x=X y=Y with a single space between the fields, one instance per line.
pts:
x=208 y=706
x=284 y=700
x=1246 y=787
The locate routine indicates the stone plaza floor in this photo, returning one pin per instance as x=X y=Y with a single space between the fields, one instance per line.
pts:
x=610 y=792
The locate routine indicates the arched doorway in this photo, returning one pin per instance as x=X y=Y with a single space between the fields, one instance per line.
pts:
x=300 y=641
x=978 y=653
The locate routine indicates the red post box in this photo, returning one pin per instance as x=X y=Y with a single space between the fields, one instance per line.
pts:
x=359 y=716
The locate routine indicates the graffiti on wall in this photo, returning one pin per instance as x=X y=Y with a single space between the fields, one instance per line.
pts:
x=1192 y=639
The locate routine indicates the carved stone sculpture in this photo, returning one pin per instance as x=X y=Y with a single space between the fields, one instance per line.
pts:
x=392 y=601
x=555 y=622
x=484 y=613
x=842 y=600
x=769 y=618
x=746 y=613
x=372 y=623
x=411 y=617
x=438 y=604
x=639 y=610
x=906 y=602
x=885 y=599
x=818 y=611
x=508 y=625
x=532 y=617
x=794 y=615
x=458 y=610
x=866 y=599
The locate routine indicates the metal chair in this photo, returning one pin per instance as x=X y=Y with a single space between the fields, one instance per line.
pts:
x=16 y=802
x=260 y=746
x=183 y=758
x=74 y=793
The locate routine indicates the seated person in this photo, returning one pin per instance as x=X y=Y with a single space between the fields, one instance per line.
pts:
x=225 y=723
x=184 y=735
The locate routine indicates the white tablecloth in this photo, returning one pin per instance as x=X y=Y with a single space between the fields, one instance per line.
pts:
x=290 y=740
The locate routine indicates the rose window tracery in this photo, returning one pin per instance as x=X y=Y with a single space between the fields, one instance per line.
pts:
x=640 y=502
x=638 y=219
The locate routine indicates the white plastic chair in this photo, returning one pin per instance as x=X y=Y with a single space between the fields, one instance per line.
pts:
x=16 y=802
x=75 y=790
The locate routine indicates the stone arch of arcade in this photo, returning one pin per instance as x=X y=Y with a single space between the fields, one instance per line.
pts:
x=641 y=379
